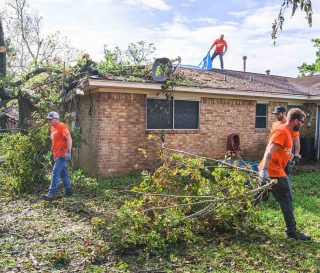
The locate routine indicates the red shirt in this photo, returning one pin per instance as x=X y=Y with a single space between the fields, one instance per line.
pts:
x=59 y=135
x=220 y=44
x=280 y=157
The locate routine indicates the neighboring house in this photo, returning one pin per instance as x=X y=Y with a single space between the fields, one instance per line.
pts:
x=9 y=118
x=116 y=115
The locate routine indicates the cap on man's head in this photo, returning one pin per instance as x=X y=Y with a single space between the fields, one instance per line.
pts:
x=52 y=115
x=279 y=109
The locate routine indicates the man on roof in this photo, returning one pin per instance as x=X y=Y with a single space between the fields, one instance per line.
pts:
x=221 y=47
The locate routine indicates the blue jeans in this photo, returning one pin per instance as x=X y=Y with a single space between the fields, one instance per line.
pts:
x=215 y=54
x=59 y=171
x=282 y=193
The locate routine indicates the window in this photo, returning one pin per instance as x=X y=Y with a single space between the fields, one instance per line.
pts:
x=261 y=115
x=172 y=114
x=159 y=114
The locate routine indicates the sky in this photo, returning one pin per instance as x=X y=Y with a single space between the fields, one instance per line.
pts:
x=187 y=28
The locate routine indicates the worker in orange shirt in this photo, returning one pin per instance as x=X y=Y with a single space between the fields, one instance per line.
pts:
x=276 y=157
x=221 y=48
x=60 y=153
x=280 y=113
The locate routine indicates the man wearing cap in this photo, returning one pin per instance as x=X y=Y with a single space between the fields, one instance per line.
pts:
x=280 y=113
x=221 y=47
x=61 y=153
x=277 y=155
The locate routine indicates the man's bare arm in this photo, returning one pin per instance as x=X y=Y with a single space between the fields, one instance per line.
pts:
x=69 y=143
x=225 y=50
x=211 y=48
x=296 y=141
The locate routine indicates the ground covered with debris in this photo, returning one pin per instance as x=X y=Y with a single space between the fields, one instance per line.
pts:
x=63 y=236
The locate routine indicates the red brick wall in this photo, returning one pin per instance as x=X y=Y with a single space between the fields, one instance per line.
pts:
x=89 y=124
x=116 y=129
x=121 y=132
x=218 y=119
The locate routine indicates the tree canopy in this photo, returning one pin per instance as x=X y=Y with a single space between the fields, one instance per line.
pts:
x=27 y=46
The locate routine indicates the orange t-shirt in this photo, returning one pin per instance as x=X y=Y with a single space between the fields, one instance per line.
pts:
x=278 y=123
x=58 y=138
x=280 y=157
x=220 y=44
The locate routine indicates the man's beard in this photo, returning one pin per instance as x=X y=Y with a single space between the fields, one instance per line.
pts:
x=280 y=118
x=296 y=128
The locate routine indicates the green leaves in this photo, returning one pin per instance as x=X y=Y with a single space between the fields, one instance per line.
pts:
x=305 y=7
x=314 y=68
x=179 y=200
x=25 y=160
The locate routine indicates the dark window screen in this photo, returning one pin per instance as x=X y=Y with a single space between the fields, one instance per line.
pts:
x=261 y=116
x=186 y=114
x=159 y=114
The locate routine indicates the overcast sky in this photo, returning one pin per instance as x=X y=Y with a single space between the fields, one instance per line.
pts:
x=187 y=28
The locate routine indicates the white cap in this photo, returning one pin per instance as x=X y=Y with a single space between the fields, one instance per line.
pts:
x=52 y=115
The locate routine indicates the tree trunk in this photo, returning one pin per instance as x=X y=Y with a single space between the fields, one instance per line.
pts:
x=3 y=56
x=25 y=113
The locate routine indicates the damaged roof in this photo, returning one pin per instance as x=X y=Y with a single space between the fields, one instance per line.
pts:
x=233 y=80
x=10 y=112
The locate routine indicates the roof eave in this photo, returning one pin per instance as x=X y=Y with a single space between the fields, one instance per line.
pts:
x=91 y=84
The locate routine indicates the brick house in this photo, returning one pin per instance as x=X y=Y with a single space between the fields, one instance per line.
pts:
x=116 y=115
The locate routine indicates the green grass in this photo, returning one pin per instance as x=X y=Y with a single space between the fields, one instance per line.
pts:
x=36 y=236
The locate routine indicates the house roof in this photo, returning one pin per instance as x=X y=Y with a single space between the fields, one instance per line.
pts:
x=237 y=82
x=311 y=83
x=10 y=112
x=231 y=79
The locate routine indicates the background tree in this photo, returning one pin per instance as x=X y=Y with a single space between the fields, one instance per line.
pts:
x=140 y=53
x=136 y=54
x=29 y=53
x=30 y=48
x=314 y=68
x=130 y=62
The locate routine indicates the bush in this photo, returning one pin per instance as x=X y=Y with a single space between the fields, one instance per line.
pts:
x=87 y=186
x=26 y=158
x=171 y=208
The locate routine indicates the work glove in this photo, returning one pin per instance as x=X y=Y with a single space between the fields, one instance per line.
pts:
x=51 y=157
x=264 y=176
x=296 y=159
x=68 y=156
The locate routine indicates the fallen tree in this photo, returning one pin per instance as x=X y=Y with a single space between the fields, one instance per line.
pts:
x=185 y=197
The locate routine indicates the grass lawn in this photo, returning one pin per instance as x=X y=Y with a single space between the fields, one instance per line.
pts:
x=37 y=236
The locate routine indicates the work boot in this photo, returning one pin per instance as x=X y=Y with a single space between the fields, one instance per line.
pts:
x=47 y=197
x=68 y=192
x=299 y=236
